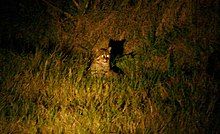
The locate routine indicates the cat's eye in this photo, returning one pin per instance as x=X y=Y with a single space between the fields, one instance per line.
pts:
x=107 y=56
x=102 y=56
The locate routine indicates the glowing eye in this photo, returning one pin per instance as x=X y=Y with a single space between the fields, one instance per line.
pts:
x=107 y=56
x=102 y=56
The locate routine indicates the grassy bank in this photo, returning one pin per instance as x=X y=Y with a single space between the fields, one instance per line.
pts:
x=166 y=87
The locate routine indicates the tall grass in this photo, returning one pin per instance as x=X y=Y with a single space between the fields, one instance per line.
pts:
x=162 y=91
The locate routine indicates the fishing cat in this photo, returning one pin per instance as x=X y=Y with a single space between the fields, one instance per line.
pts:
x=101 y=64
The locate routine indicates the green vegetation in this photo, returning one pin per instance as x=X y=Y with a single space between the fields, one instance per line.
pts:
x=166 y=88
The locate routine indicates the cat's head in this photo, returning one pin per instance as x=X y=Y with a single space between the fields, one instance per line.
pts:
x=103 y=54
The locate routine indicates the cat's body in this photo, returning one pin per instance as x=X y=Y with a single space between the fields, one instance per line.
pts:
x=100 y=66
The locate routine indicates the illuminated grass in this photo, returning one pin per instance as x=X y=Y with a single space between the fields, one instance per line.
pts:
x=53 y=101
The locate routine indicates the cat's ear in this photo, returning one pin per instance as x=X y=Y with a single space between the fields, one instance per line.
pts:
x=95 y=50
x=109 y=49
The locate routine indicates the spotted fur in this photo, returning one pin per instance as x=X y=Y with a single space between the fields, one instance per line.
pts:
x=101 y=63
